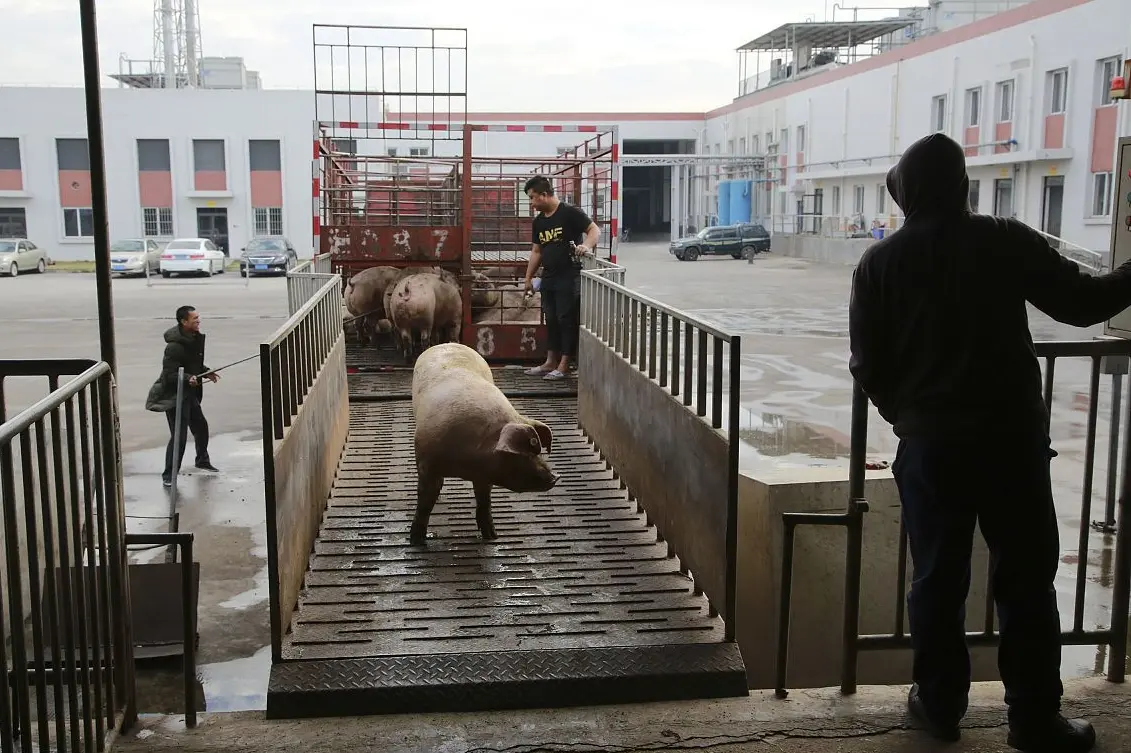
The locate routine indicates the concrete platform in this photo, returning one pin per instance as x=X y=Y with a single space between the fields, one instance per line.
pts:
x=816 y=721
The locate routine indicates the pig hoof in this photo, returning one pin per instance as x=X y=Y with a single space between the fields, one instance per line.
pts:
x=488 y=533
x=416 y=538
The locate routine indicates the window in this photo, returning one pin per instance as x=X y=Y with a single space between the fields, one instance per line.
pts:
x=1107 y=70
x=418 y=151
x=1003 y=197
x=345 y=146
x=157 y=221
x=801 y=138
x=973 y=107
x=975 y=191
x=153 y=155
x=836 y=201
x=268 y=221
x=858 y=199
x=881 y=198
x=10 y=154
x=1057 y=91
x=263 y=155
x=1101 y=194
x=393 y=151
x=1005 y=101
x=769 y=139
x=753 y=144
x=208 y=155
x=784 y=146
x=13 y=222
x=72 y=154
x=938 y=113
x=742 y=146
x=78 y=222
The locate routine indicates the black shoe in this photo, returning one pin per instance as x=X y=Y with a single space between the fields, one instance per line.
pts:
x=945 y=731
x=207 y=466
x=1052 y=735
x=166 y=482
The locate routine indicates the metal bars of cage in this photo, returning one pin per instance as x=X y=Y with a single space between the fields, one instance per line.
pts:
x=306 y=279
x=687 y=357
x=1114 y=638
x=69 y=642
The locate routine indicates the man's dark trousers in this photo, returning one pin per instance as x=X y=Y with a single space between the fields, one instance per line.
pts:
x=561 y=303
x=1001 y=483
x=192 y=419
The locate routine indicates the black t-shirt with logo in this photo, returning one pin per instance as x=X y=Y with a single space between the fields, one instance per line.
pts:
x=554 y=233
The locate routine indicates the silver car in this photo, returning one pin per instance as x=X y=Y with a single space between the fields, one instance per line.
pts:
x=21 y=255
x=134 y=256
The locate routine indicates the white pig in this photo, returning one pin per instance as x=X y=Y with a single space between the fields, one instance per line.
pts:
x=467 y=429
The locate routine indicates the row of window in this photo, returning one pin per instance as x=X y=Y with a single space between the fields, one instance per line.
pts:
x=154 y=155
x=157 y=222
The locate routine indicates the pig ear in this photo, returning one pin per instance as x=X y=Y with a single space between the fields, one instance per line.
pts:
x=519 y=439
x=545 y=436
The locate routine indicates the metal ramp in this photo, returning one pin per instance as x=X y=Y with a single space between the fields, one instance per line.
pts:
x=577 y=602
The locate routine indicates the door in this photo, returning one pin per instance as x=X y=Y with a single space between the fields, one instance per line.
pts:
x=1003 y=197
x=818 y=209
x=1052 y=205
x=212 y=223
x=729 y=242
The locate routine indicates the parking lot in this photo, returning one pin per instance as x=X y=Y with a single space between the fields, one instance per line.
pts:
x=796 y=389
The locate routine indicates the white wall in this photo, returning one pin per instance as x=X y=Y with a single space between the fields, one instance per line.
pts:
x=856 y=122
x=179 y=115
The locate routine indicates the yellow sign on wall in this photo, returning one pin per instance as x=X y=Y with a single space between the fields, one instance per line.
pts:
x=1053 y=170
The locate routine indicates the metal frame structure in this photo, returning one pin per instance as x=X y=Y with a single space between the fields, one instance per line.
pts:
x=1114 y=638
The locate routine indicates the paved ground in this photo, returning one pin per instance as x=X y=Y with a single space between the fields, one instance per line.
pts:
x=808 y=722
x=792 y=315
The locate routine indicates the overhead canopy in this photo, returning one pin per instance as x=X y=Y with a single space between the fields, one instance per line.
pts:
x=828 y=34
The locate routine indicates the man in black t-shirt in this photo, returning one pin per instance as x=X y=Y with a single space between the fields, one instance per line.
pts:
x=562 y=234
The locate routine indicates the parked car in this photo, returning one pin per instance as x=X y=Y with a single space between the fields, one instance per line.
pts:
x=740 y=240
x=21 y=255
x=268 y=254
x=198 y=256
x=135 y=256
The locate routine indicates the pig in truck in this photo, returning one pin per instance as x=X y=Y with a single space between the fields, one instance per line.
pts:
x=466 y=428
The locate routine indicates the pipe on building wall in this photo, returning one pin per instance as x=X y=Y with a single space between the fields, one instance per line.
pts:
x=190 y=43
x=170 y=43
x=895 y=110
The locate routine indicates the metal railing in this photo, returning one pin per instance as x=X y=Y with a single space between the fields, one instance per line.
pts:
x=603 y=267
x=305 y=280
x=68 y=649
x=291 y=360
x=692 y=361
x=1087 y=259
x=1114 y=637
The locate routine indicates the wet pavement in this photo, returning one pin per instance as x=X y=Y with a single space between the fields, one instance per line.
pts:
x=795 y=391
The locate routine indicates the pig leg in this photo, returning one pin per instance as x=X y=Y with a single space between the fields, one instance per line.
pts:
x=427 y=492
x=483 y=510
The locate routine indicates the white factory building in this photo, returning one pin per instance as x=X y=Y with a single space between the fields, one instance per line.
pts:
x=829 y=106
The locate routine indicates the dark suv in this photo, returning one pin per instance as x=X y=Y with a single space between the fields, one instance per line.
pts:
x=744 y=239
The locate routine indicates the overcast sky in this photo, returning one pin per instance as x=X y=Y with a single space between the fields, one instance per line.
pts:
x=531 y=56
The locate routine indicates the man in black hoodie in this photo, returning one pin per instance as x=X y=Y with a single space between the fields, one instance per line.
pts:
x=940 y=342
x=184 y=347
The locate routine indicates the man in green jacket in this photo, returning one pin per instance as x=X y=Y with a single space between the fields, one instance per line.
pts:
x=184 y=347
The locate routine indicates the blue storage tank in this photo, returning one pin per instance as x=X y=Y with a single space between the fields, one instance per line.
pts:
x=724 y=202
x=740 y=193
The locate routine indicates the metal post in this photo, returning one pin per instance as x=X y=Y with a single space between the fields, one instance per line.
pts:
x=91 y=78
x=175 y=467
x=1108 y=525
x=188 y=625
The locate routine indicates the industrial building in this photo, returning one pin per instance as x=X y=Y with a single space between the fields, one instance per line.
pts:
x=822 y=110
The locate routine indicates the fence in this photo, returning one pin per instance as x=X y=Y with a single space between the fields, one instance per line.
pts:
x=64 y=590
x=305 y=280
x=603 y=267
x=661 y=391
x=852 y=519
x=305 y=423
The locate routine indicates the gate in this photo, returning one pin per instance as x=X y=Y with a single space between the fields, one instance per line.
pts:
x=1113 y=638
x=65 y=618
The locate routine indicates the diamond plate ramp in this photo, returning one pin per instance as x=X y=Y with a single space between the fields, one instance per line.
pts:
x=575 y=602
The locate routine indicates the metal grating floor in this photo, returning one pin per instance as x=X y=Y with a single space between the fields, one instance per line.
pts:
x=576 y=601
x=396 y=384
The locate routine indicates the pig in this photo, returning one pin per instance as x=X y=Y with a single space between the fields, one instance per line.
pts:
x=466 y=428
x=364 y=298
x=425 y=310
x=514 y=307
x=484 y=293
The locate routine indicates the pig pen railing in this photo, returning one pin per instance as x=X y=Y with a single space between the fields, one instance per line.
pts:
x=306 y=279
x=659 y=397
x=603 y=267
x=305 y=415
x=1104 y=355
x=65 y=623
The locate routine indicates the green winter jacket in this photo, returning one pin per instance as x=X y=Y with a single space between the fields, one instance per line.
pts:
x=182 y=349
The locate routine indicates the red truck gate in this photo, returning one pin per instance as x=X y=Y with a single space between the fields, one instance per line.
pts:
x=414 y=186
